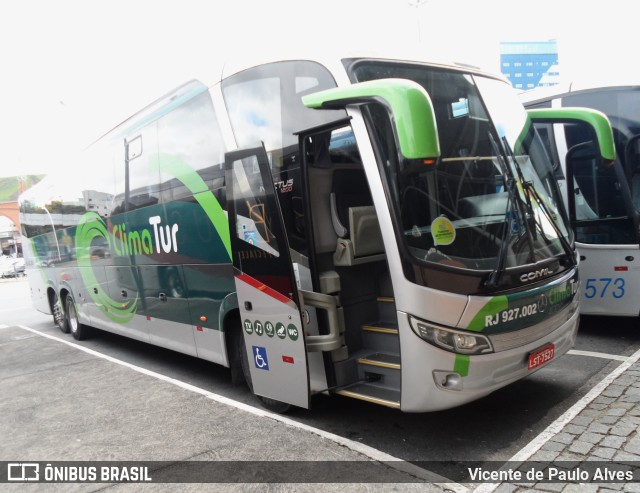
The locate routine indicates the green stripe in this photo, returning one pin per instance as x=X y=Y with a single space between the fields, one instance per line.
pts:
x=92 y=226
x=180 y=170
x=461 y=364
x=493 y=306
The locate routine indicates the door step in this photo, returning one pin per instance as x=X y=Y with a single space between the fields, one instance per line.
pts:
x=382 y=360
x=381 y=337
x=387 y=309
x=373 y=393
x=373 y=372
x=382 y=327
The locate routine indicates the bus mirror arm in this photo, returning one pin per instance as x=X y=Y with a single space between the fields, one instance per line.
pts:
x=596 y=119
x=408 y=104
x=324 y=342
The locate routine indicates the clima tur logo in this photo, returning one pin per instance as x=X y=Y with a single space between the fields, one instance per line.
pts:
x=92 y=227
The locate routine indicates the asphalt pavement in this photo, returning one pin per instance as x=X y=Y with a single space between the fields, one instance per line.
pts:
x=70 y=407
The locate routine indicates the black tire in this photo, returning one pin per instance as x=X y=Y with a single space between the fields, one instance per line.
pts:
x=234 y=350
x=269 y=404
x=78 y=331
x=59 y=315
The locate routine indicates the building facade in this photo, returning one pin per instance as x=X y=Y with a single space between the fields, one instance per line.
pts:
x=9 y=231
x=10 y=188
x=530 y=64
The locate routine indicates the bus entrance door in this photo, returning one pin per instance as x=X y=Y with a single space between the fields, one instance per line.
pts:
x=606 y=225
x=265 y=284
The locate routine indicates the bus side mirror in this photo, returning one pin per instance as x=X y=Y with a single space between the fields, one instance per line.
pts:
x=596 y=119
x=632 y=157
x=632 y=168
x=408 y=104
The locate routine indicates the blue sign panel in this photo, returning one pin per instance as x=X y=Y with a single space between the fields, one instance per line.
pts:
x=260 y=358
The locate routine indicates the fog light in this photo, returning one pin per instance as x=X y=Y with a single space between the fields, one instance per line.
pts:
x=448 y=380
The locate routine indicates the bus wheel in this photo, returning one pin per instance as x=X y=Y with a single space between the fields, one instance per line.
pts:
x=58 y=314
x=270 y=404
x=234 y=348
x=78 y=331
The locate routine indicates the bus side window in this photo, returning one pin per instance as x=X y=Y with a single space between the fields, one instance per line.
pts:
x=191 y=167
x=136 y=176
x=190 y=137
x=545 y=131
x=632 y=168
x=265 y=106
x=597 y=180
x=587 y=193
x=599 y=209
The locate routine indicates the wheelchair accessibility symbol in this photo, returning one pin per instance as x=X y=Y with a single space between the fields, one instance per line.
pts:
x=260 y=358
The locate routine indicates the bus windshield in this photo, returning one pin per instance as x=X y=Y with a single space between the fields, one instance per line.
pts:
x=490 y=202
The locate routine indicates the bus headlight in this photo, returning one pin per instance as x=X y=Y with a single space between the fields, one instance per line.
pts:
x=456 y=341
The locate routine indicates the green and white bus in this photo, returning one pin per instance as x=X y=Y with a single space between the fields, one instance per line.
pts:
x=382 y=229
x=602 y=197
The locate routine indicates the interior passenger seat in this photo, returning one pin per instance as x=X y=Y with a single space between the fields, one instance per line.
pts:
x=354 y=219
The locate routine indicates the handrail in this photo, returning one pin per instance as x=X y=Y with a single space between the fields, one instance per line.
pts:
x=324 y=342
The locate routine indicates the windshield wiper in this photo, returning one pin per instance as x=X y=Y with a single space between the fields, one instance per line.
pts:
x=510 y=184
x=528 y=186
x=525 y=205
x=563 y=241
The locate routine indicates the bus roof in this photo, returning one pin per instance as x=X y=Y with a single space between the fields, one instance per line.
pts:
x=540 y=94
x=239 y=62
x=158 y=108
x=330 y=58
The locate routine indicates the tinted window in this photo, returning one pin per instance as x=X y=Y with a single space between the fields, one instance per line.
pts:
x=265 y=106
x=462 y=209
x=190 y=136
x=52 y=209
x=597 y=190
x=622 y=107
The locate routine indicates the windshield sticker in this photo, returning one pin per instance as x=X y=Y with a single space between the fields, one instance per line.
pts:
x=251 y=237
x=443 y=231
x=514 y=221
x=460 y=108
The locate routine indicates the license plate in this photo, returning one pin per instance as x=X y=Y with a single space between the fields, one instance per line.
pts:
x=541 y=356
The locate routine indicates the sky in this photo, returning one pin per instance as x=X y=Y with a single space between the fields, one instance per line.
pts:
x=70 y=70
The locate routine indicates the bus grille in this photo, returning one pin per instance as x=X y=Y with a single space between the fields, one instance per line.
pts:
x=518 y=338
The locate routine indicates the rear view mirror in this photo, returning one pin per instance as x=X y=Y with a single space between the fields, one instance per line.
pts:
x=408 y=104
x=597 y=120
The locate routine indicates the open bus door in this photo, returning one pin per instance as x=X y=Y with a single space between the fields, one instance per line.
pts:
x=268 y=297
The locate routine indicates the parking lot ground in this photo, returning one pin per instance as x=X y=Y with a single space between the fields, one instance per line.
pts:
x=593 y=447
x=67 y=403
x=110 y=399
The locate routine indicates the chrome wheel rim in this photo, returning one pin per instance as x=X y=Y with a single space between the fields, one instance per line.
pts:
x=73 y=318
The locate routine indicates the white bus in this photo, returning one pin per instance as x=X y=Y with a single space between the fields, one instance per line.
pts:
x=381 y=229
x=602 y=198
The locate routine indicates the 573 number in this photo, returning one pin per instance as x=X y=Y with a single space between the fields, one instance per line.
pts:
x=603 y=287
